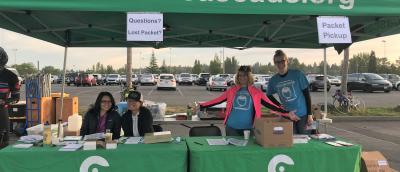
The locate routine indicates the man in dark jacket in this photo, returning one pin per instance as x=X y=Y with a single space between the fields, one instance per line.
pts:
x=138 y=120
x=9 y=93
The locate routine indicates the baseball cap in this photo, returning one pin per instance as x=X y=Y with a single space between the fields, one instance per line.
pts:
x=135 y=95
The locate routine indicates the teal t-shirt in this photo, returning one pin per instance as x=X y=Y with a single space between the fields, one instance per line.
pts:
x=241 y=116
x=290 y=91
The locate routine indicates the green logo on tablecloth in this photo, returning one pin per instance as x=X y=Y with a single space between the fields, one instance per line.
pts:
x=276 y=160
x=93 y=160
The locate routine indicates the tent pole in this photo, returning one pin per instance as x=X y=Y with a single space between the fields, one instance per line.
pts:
x=129 y=68
x=325 y=85
x=63 y=83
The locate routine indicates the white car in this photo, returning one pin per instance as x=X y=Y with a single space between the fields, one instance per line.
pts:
x=113 y=79
x=147 y=79
x=334 y=81
x=166 y=81
x=217 y=83
x=262 y=82
x=185 y=78
x=123 y=79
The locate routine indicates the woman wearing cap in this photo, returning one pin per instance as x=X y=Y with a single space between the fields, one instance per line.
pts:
x=243 y=103
x=292 y=88
x=138 y=120
x=102 y=116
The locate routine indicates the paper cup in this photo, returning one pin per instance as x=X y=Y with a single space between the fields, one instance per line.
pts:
x=246 y=134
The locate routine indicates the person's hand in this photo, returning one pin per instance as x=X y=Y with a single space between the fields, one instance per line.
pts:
x=293 y=116
x=2 y=102
x=310 y=120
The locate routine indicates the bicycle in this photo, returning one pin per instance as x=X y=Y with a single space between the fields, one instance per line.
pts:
x=347 y=104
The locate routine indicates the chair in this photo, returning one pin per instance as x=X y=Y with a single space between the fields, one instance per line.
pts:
x=205 y=131
x=157 y=128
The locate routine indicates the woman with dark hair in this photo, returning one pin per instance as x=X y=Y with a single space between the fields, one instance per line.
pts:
x=243 y=103
x=102 y=116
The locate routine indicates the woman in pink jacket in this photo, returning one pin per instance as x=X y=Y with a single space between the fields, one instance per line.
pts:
x=243 y=103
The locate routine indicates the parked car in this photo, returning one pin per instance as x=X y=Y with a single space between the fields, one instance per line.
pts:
x=113 y=79
x=135 y=79
x=231 y=79
x=194 y=77
x=216 y=83
x=368 y=82
x=392 y=78
x=85 y=79
x=185 y=79
x=262 y=82
x=70 y=78
x=334 y=81
x=203 y=79
x=147 y=79
x=317 y=82
x=53 y=79
x=122 y=79
x=99 y=79
x=167 y=81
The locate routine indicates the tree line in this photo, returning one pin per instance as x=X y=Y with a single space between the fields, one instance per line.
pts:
x=359 y=63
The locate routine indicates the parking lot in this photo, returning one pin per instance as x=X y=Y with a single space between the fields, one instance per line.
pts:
x=372 y=135
x=186 y=94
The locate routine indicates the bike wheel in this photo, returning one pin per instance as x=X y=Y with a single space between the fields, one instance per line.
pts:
x=358 y=105
x=340 y=107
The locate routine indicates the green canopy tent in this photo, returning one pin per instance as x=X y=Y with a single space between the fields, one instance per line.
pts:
x=238 y=24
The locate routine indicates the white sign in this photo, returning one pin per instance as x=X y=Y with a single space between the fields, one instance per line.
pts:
x=277 y=160
x=93 y=160
x=333 y=30
x=144 y=27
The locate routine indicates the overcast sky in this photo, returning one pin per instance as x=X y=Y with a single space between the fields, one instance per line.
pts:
x=27 y=49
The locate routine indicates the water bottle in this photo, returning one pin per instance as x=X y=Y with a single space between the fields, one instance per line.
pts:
x=189 y=112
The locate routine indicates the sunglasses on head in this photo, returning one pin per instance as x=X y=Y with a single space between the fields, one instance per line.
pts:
x=245 y=68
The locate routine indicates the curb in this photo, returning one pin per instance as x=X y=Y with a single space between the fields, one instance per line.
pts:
x=363 y=118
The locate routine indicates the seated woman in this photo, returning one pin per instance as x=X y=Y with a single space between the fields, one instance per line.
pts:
x=102 y=116
x=138 y=120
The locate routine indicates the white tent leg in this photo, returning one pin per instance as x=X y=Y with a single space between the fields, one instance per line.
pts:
x=63 y=83
x=325 y=86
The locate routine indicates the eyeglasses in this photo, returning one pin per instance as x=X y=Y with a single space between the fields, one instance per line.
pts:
x=281 y=61
x=105 y=101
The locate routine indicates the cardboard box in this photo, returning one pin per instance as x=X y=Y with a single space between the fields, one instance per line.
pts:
x=374 y=162
x=274 y=132
x=70 y=107
x=157 y=137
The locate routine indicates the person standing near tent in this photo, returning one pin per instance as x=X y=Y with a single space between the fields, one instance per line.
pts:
x=292 y=89
x=243 y=103
x=102 y=117
x=9 y=93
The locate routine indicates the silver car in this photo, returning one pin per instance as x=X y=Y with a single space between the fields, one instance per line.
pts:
x=217 y=83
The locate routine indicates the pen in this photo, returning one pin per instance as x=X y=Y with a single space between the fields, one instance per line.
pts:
x=198 y=143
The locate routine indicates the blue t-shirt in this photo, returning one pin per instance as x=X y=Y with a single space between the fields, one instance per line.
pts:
x=241 y=116
x=290 y=91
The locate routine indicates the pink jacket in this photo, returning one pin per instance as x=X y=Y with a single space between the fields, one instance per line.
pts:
x=257 y=95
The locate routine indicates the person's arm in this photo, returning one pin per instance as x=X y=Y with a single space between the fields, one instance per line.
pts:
x=85 y=124
x=273 y=99
x=277 y=109
x=307 y=96
x=14 y=89
x=148 y=123
x=117 y=126
x=213 y=102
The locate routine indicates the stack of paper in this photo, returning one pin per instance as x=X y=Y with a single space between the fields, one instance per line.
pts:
x=111 y=145
x=72 y=138
x=339 y=143
x=22 y=146
x=96 y=136
x=134 y=140
x=237 y=142
x=322 y=137
x=71 y=147
x=216 y=142
x=31 y=139
x=300 y=139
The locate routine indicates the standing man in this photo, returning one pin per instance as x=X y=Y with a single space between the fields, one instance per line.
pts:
x=292 y=89
x=9 y=93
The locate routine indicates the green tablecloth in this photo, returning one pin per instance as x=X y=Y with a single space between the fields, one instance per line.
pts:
x=165 y=157
x=314 y=156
